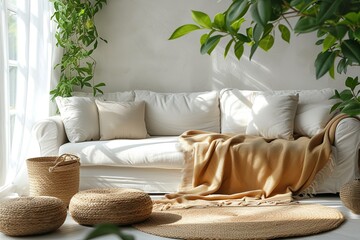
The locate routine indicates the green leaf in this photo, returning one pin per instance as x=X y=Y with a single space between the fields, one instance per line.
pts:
x=202 y=19
x=267 y=42
x=306 y=24
x=328 y=9
x=328 y=42
x=338 y=31
x=320 y=32
x=236 y=10
x=332 y=71
x=239 y=49
x=242 y=38
x=237 y=24
x=341 y=67
x=319 y=42
x=257 y=32
x=100 y=85
x=210 y=44
x=219 y=21
x=351 y=108
x=182 y=30
x=305 y=6
x=285 y=33
x=261 y=12
x=88 y=78
x=336 y=95
x=351 y=50
x=204 y=38
x=352 y=17
x=357 y=34
x=335 y=107
x=352 y=83
x=253 y=49
x=268 y=28
x=294 y=3
x=227 y=48
x=323 y=63
x=249 y=32
x=346 y=95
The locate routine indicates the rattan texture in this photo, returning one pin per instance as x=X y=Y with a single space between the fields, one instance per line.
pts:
x=119 y=206
x=350 y=195
x=246 y=222
x=25 y=216
x=54 y=176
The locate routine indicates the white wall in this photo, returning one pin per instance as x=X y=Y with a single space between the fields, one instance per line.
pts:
x=139 y=56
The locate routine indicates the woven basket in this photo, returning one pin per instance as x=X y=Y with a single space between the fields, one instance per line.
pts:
x=350 y=195
x=54 y=176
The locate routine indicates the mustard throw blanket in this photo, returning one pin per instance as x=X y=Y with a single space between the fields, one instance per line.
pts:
x=225 y=166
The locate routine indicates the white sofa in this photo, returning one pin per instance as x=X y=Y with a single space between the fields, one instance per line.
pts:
x=154 y=163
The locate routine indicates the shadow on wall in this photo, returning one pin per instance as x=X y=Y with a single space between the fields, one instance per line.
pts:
x=229 y=72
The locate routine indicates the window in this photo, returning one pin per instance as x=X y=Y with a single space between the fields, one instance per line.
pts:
x=11 y=13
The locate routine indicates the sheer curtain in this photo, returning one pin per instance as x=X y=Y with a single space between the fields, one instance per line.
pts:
x=35 y=47
x=4 y=110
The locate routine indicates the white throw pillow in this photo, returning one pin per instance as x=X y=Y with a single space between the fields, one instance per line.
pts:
x=80 y=118
x=235 y=108
x=313 y=111
x=273 y=116
x=121 y=120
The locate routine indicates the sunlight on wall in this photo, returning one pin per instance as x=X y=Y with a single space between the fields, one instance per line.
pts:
x=244 y=74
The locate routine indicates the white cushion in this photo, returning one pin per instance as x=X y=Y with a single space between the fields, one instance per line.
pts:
x=313 y=111
x=121 y=119
x=235 y=108
x=152 y=152
x=80 y=118
x=273 y=116
x=175 y=113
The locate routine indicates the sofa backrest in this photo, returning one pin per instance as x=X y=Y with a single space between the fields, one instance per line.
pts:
x=126 y=96
x=175 y=113
x=229 y=110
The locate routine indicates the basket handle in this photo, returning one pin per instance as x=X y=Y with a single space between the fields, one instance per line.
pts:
x=62 y=159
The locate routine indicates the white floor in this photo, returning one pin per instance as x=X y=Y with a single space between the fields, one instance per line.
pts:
x=348 y=230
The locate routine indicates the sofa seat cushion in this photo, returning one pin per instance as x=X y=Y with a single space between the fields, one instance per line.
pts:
x=152 y=152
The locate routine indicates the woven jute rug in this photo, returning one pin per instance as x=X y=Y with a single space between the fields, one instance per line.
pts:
x=259 y=222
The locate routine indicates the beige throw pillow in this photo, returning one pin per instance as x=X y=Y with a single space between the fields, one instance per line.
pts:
x=121 y=120
x=273 y=116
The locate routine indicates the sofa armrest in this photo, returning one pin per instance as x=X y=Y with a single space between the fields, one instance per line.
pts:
x=50 y=135
x=347 y=144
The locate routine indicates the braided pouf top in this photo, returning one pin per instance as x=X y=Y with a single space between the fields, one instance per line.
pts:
x=31 y=215
x=118 y=206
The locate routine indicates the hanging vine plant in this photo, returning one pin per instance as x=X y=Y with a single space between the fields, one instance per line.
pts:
x=77 y=35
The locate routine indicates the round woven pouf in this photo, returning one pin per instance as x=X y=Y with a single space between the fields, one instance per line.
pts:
x=118 y=206
x=350 y=195
x=31 y=215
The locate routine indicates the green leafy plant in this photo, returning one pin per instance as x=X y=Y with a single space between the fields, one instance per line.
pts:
x=336 y=22
x=77 y=35
x=348 y=99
